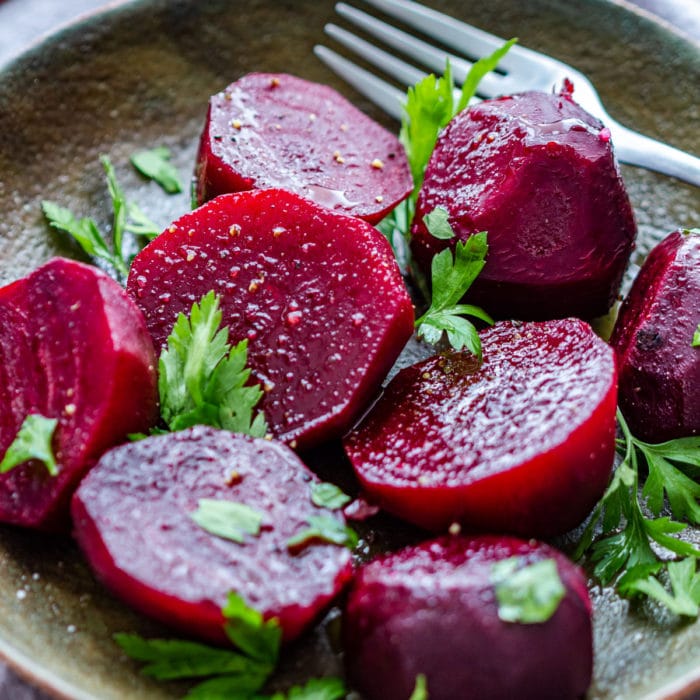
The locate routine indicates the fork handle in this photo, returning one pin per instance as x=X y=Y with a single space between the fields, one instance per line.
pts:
x=636 y=149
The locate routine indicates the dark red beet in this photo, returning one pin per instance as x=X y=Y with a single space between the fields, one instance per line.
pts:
x=273 y=130
x=74 y=347
x=318 y=295
x=538 y=174
x=523 y=444
x=431 y=609
x=653 y=335
x=132 y=521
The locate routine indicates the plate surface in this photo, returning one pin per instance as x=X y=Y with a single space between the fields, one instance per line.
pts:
x=140 y=75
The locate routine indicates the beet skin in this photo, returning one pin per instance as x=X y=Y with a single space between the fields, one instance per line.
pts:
x=132 y=519
x=538 y=174
x=523 y=443
x=653 y=338
x=432 y=610
x=277 y=131
x=73 y=346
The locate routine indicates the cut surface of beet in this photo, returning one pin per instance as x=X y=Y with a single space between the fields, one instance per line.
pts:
x=538 y=174
x=278 y=131
x=522 y=444
x=73 y=346
x=317 y=294
x=431 y=609
x=132 y=519
x=653 y=338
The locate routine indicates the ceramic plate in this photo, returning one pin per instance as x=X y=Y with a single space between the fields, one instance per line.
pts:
x=139 y=75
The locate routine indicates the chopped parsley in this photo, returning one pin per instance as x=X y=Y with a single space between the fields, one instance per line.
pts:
x=324 y=528
x=325 y=495
x=155 y=164
x=227 y=519
x=33 y=441
x=420 y=691
x=696 y=337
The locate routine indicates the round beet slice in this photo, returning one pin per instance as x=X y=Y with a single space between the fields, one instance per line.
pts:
x=278 y=131
x=432 y=610
x=74 y=347
x=133 y=520
x=653 y=338
x=523 y=443
x=317 y=294
x=538 y=174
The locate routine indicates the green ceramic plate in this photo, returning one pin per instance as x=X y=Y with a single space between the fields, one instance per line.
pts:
x=140 y=75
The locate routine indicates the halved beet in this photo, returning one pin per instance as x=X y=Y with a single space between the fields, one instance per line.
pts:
x=132 y=519
x=653 y=338
x=318 y=295
x=277 y=131
x=432 y=610
x=73 y=346
x=538 y=174
x=523 y=443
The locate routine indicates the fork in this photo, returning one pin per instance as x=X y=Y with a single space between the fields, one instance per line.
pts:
x=521 y=69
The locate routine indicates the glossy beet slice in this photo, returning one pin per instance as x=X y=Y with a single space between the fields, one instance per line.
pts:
x=318 y=295
x=653 y=338
x=432 y=610
x=277 y=131
x=132 y=518
x=538 y=174
x=73 y=346
x=523 y=444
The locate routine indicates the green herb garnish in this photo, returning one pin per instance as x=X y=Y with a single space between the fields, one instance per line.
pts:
x=155 y=164
x=227 y=519
x=324 y=528
x=325 y=495
x=33 y=441
x=420 y=691
x=696 y=337
x=329 y=688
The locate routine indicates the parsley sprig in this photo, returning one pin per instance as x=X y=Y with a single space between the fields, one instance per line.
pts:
x=33 y=441
x=155 y=164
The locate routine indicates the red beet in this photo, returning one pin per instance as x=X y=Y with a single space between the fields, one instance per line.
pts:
x=523 y=444
x=318 y=295
x=73 y=346
x=272 y=130
x=653 y=335
x=538 y=174
x=132 y=517
x=431 y=609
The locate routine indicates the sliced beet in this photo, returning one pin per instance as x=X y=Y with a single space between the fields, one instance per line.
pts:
x=317 y=294
x=538 y=174
x=132 y=519
x=277 y=131
x=522 y=444
x=73 y=346
x=431 y=609
x=653 y=338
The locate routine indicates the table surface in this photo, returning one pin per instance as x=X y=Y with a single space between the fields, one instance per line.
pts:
x=23 y=22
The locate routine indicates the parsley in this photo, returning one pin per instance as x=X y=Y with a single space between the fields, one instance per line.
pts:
x=696 y=337
x=227 y=519
x=528 y=594
x=155 y=164
x=202 y=379
x=324 y=528
x=329 y=688
x=420 y=691
x=33 y=441
x=325 y=495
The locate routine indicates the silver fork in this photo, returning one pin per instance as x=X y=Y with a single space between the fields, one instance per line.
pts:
x=522 y=69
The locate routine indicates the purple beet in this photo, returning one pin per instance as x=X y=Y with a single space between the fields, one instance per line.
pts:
x=317 y=294
x=538 y=174
x=73 y=346
x=653 y=338
x=432 y=610
x=277 y=131
x=132 y=519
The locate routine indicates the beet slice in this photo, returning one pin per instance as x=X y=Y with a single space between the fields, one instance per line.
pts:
x=653 y=336
x=523 y=444
x=73 y=346
x=538 y=174
x=432 y=610
x=278 y=131
x=132 y=517
x=318 y=295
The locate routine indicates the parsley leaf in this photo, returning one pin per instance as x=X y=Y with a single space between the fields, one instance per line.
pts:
x=155 y=164
x=324 y=528
x=696 y=337
x=33 y=441
x=227 y=519
x=329 y=688
x=202 y=379
x=420 y=691
x=325 y=495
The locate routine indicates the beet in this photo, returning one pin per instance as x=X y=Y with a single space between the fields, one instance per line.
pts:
x=73 y=346
x=277 y=131
x=538 y=174
x=653 y=335
x=522 y=444
x=318 y=295
x=432 y=610
x=132 y=517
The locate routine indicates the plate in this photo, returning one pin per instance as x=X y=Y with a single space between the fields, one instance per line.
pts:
x=140 y=75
